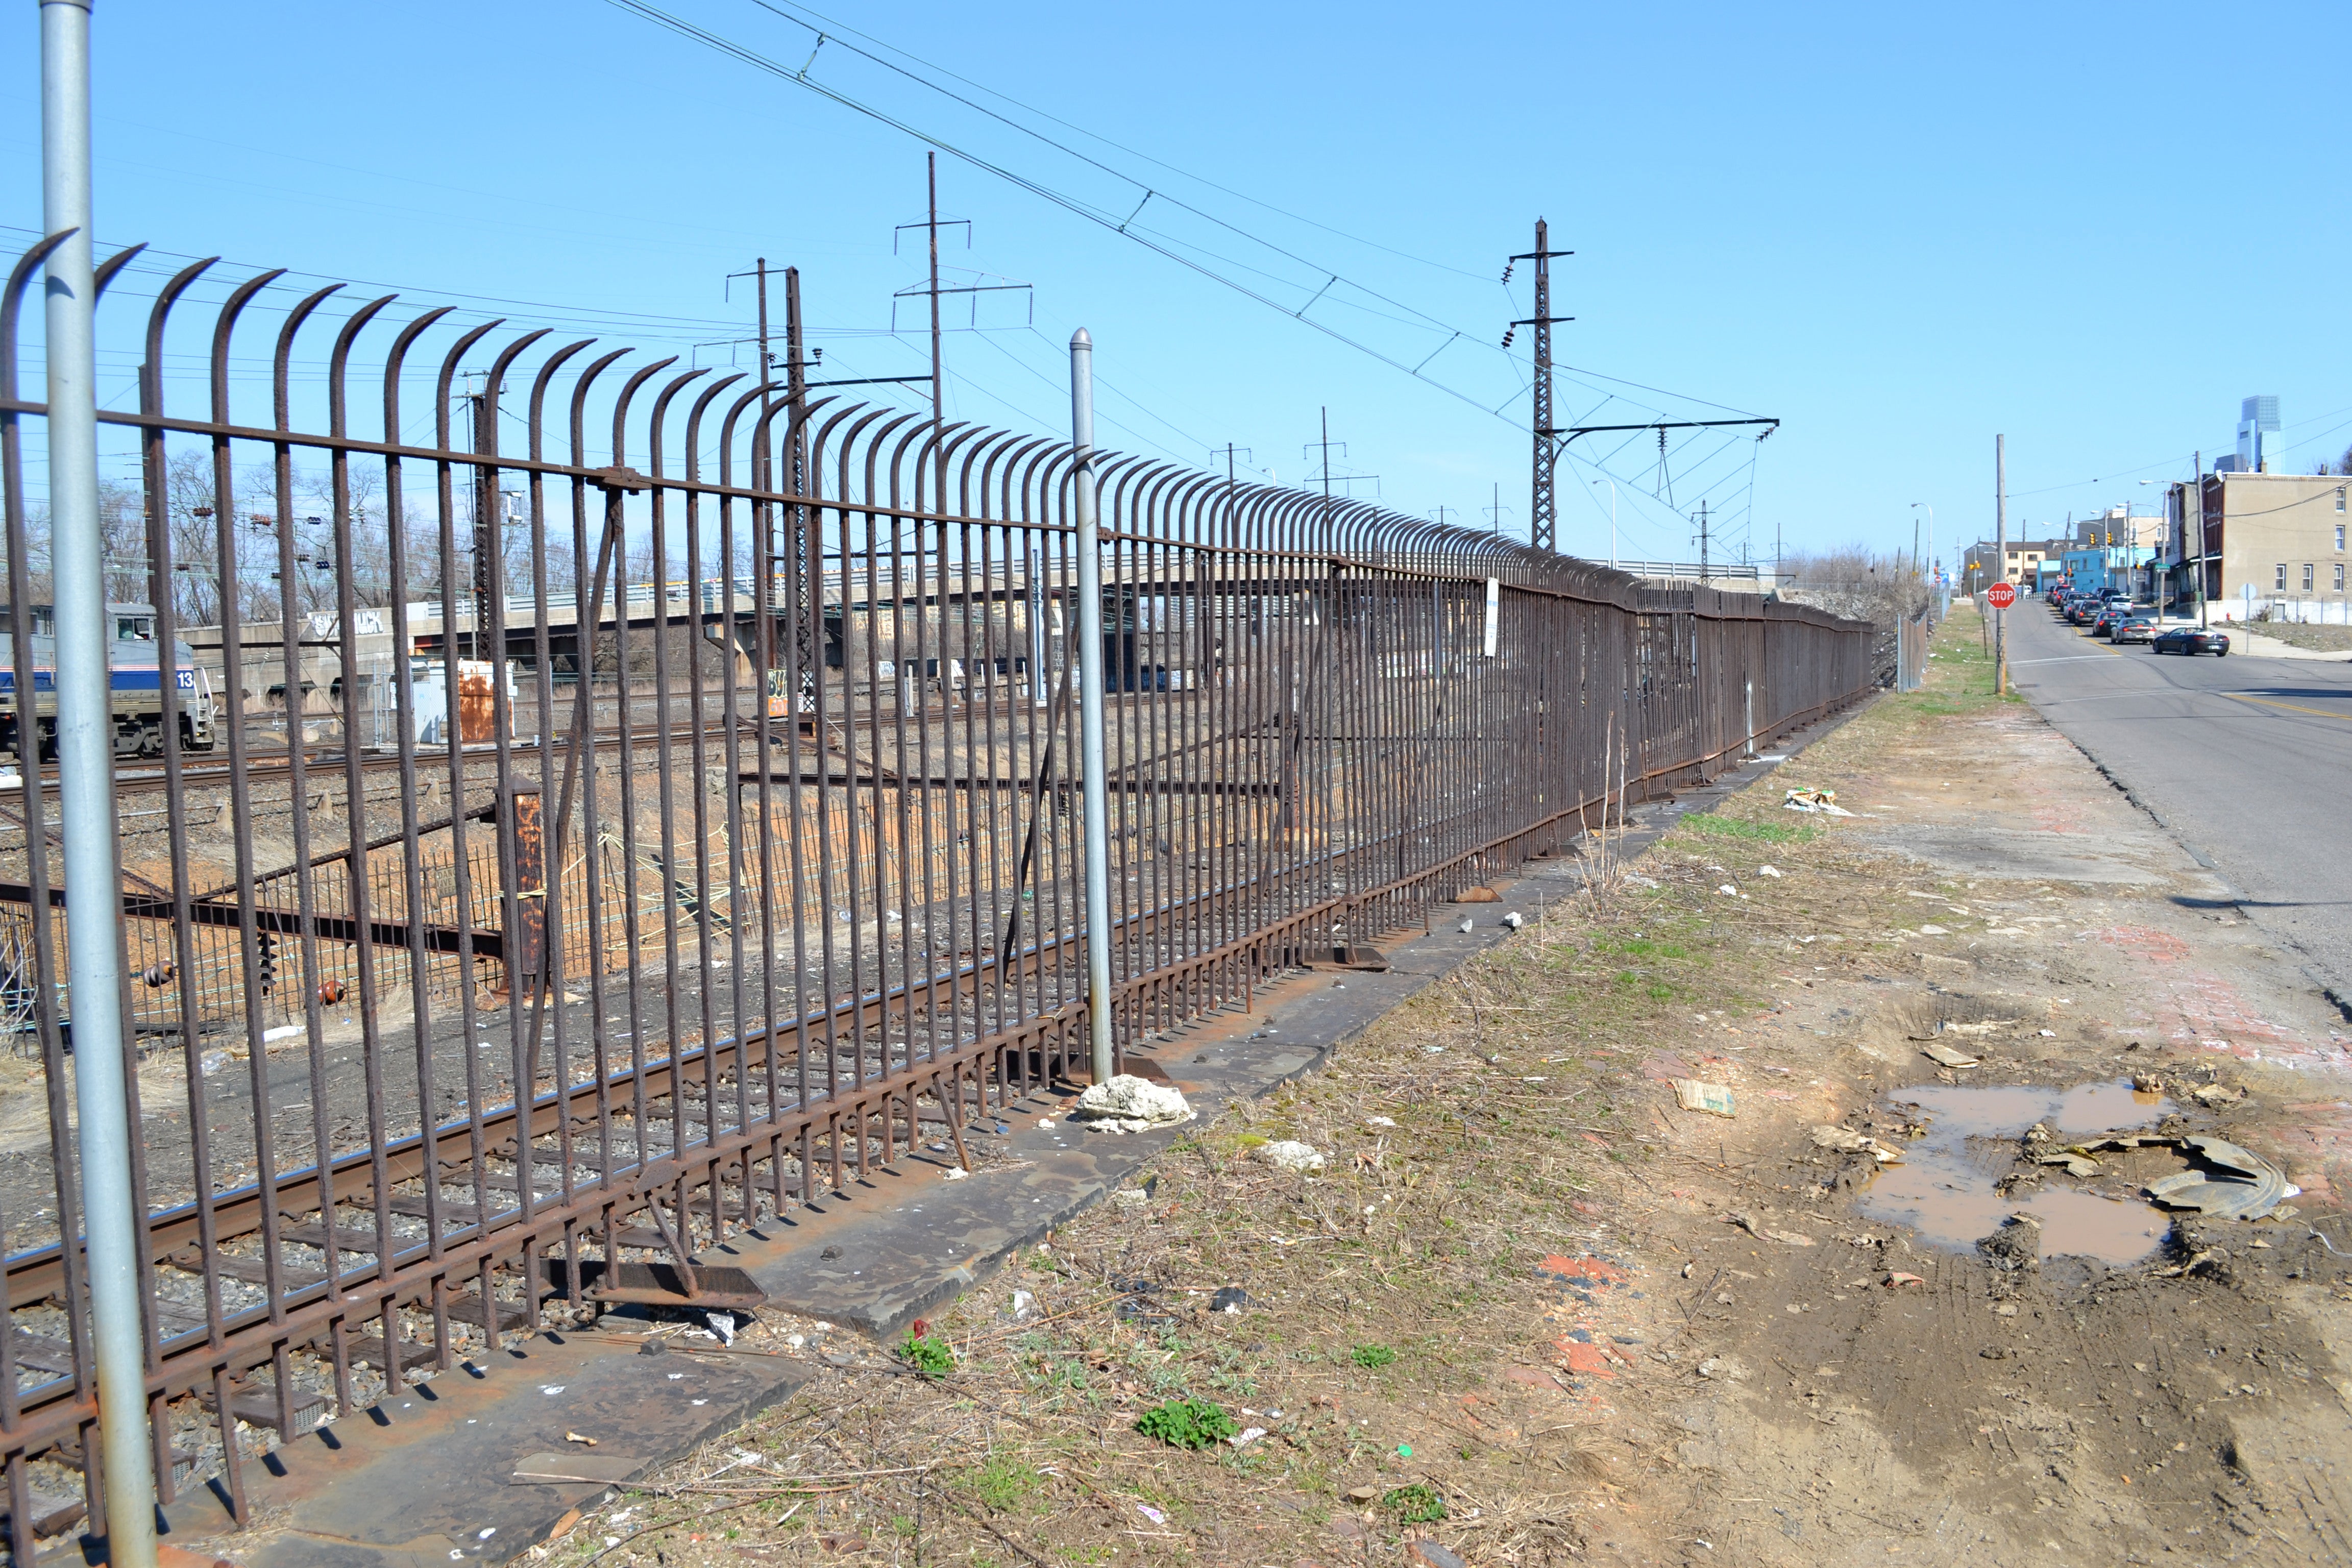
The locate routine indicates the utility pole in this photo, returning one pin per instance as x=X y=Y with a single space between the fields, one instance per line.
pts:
x=1702 y=545
x=932 y=224
x=2197 y=483
x=806 y=581
x=86 y=808
x=1541 y=509
x=487 y=535
x=1999 y=560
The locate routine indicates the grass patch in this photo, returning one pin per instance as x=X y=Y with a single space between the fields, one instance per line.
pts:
x=1710 y=824
x=1002 y=1482
x=1415 y=1504
x=1372 y=1357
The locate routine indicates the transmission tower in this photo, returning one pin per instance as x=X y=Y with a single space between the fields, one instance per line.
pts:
x=1540 y=509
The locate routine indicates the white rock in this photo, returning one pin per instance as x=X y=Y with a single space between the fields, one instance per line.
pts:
x=1131 y=1104
x=1465 y=927
x=1289 y=1154
x=1515 y=920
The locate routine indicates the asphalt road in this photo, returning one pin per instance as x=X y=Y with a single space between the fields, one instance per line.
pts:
x=2246 y=759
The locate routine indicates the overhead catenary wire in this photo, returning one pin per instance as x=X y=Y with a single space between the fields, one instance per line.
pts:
x=1119 y=222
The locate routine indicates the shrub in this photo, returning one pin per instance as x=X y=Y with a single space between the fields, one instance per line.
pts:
x=1187 y=1423
x=928 y=1356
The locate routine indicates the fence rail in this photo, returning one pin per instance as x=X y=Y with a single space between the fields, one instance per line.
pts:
x=439 y=1042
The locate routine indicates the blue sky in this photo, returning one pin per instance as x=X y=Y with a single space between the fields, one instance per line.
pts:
x=2095 y=229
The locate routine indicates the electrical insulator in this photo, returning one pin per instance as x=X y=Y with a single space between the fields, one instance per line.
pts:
x=266 y=961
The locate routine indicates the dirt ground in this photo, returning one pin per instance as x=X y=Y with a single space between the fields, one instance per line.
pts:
x=1532 y=1310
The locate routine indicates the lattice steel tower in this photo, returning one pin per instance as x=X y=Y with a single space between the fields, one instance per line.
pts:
x=1541 y=507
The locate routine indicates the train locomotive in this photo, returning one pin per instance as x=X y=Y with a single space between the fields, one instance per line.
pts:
x=134 y=680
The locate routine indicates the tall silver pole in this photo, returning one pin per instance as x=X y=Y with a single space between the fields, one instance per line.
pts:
x=1090 y=706
x=2000 y=559
x=86 y=791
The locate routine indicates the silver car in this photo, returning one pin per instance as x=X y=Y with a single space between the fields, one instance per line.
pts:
x=2135 y=628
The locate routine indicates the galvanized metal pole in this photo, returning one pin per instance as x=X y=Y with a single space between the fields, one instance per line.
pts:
x=1090 y=707
x=86 y=792
x=2000 y=561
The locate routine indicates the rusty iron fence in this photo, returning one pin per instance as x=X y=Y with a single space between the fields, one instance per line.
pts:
x=501 y=936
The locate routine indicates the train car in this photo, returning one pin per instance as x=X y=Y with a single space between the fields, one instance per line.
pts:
x=134 y=678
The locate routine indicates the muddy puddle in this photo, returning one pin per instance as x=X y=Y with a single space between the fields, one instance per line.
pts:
x=1944 y=1187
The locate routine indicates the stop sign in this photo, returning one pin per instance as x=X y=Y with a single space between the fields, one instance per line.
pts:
x=2001 y=596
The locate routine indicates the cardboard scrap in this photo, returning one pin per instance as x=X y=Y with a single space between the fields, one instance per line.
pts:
x=1715 y=1098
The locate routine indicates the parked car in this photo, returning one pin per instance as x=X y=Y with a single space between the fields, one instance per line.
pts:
x=2109 y=618
x=2137 y=627
x=2192 y=640
x=2083 y=611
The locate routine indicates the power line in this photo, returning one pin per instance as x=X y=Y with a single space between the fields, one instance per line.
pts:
x=1122 y=225
x=834 y=30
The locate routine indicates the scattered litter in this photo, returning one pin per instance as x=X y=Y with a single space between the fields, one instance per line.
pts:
x=1132 y=1104
x=1247 y=1435
x=1151 y=1514
x=1513 y=920
x=1947 y=1056
x=551 y=1388
x=2049 y=1034
x=1380 y=1122
x=1899 y=1278
x=579 y=1438
x=2235 y=1183
x=1640 y=881
x=1046 y=1124
x=1232 y=1299
x=1933 y=930
x=1289 y=1154
x=1728 y=891
x=1845 y=1140
x=1977 y=1030
x=1024 y=1305
x=955 y=1174
x=214 y=1060
x=1823 y=801
x=1715 y=1098
x=1767 y=870
x=283 y=1032
x=1748 y=1223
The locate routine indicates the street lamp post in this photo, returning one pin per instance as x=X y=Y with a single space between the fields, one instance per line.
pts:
x=1916 y=506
